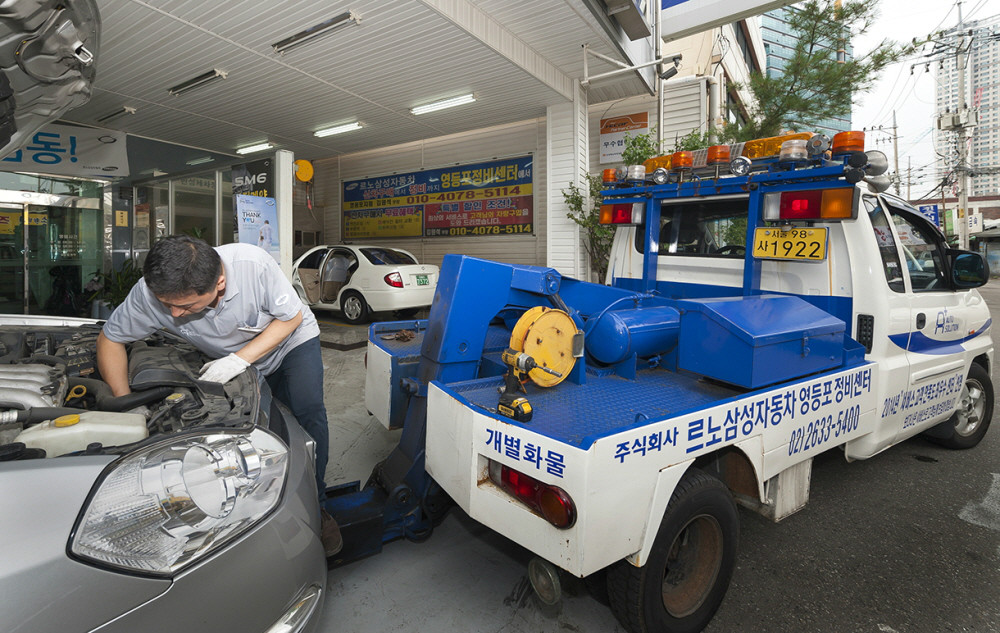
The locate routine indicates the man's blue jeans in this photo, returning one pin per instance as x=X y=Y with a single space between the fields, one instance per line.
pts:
x=298 y=383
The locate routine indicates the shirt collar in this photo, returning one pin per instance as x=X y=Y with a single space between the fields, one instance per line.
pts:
x=231 y=288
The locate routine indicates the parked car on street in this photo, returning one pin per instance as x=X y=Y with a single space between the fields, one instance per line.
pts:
x=358 y=280
x=183 y=506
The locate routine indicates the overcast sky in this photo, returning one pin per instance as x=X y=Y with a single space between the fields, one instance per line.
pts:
x=911 y=96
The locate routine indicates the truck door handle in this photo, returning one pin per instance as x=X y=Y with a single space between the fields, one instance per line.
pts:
x=921 y=320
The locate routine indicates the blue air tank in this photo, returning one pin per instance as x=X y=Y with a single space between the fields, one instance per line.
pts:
x=640 y=331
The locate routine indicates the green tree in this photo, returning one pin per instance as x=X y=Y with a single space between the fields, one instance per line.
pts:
x=640 y=148
x=815 y=84
x=585 y=210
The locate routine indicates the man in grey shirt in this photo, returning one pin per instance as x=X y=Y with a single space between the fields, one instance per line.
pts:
x=234 y=304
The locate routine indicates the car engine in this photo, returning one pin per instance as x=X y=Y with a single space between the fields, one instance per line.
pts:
x=50 y=374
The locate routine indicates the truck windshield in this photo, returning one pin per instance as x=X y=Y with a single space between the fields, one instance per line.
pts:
x=702 y=228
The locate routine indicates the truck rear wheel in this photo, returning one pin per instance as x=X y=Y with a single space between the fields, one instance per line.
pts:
x=970 y=422
x=687 y=574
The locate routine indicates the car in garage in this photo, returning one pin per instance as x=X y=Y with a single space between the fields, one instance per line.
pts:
x=359 y=280
x=183 y=506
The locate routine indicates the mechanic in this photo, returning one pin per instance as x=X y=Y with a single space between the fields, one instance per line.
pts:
x=234 y=304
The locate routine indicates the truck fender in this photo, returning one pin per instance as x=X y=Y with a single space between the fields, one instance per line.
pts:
x=669 y=477
x=666 y=481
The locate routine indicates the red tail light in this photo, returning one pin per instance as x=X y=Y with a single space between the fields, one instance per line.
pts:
x=551 y=502
x=394 y=279
x=803 y=205
x=621 y=213
x=817 y=204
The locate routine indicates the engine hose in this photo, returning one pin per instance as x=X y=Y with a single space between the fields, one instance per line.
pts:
x=47 y=359
x=35 y=415
x=136 y=399
x=97 y=388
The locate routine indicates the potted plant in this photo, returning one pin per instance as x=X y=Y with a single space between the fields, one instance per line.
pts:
x=109 y=289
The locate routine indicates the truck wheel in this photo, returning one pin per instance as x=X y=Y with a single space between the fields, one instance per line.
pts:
x=687 y=573
x=975 y=410
x=354 y=307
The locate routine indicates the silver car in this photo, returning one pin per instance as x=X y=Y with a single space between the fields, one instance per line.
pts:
x=205 y=520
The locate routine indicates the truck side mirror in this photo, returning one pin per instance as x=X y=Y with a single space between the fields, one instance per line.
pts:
x=968 y=269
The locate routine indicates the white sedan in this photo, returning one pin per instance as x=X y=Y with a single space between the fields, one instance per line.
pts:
x=359 y=280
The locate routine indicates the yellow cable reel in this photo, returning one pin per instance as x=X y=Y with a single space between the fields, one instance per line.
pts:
x=547 y=335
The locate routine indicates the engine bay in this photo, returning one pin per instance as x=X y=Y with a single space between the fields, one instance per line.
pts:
x=50 y=388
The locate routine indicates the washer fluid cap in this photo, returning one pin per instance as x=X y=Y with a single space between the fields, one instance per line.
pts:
x=66 y=420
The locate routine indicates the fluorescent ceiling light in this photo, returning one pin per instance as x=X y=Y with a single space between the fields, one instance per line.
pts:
x=339 y=129
x=441 y=105
x=198 y=81
x=317 y=31
x=200 y=161
x=250 y=149
x=117 y=113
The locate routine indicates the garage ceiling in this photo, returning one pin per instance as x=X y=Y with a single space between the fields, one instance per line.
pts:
x=517 y=58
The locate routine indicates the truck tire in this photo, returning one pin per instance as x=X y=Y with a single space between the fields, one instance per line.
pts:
x=970 y=422
x=687 y=573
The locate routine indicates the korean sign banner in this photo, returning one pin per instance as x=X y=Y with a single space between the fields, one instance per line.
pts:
x=613 y=131
x=66 y=150
x=491 y=198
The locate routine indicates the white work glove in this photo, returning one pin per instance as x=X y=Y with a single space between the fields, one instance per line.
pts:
x=223 y=369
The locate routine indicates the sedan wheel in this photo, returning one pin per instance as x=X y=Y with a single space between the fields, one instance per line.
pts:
x=354 y=307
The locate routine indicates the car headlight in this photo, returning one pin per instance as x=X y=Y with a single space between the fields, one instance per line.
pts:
x=163 y=508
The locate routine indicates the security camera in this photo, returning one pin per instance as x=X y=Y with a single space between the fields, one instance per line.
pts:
x=670 y=71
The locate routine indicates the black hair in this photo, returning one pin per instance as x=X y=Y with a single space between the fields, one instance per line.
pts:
x=180 y=265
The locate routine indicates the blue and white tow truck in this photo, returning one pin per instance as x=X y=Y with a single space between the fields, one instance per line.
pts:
x=758 y=312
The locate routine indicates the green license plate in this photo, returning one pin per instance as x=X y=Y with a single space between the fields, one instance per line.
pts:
x=422 y=280
x=807 y=244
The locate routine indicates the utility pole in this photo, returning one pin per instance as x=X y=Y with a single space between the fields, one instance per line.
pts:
x=959 y=122
x=963 y=173
x=895 y=151
x=909 y=177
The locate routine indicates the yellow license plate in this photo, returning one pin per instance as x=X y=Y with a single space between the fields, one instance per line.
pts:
x=804 y=244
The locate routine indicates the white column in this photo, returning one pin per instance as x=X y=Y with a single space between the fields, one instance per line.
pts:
x=284 y=172
x=567 y=152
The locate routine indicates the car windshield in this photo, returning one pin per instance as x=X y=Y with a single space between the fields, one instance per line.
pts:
x=387 y=256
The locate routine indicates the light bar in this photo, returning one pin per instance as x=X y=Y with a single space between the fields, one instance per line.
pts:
x=250 y=149
x=200 y=161
x=117 y=113
x=441 y=105
x=317 y=31
x=198 y=81
x=339 y=129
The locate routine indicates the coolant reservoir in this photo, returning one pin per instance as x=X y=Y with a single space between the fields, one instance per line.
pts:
x=75 y=432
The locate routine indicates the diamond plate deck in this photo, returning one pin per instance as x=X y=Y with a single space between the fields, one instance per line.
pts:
x=580 y=414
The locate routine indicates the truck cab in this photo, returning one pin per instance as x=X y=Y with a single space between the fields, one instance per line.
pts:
x=888 y=272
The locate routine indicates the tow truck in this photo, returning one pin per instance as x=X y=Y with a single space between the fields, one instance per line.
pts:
x=765 y=302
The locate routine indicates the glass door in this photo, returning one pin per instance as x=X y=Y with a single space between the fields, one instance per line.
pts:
x=12 y=260
x=63 y=253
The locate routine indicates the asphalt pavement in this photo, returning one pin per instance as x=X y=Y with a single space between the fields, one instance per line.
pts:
x=905 y=542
